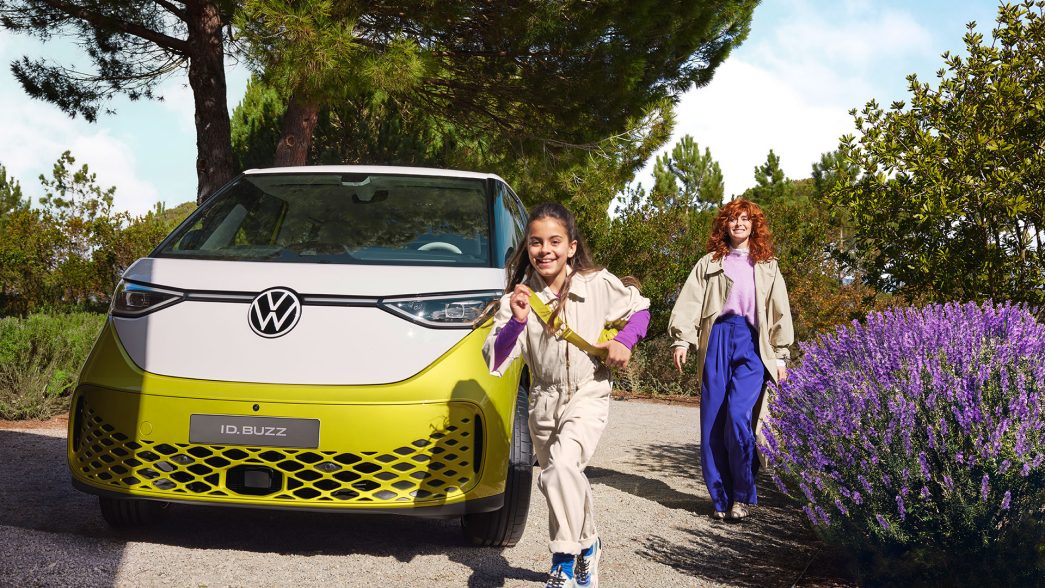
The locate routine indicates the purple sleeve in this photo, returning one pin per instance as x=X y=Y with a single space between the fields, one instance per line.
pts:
x=634 y=330
x=506 y=338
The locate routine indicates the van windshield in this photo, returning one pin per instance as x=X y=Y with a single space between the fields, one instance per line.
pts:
x=340 y=218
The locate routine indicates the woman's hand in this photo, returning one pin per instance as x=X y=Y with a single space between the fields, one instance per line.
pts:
x=679 y=355
x=781 y=373
x=617 y=353
x=520 y=302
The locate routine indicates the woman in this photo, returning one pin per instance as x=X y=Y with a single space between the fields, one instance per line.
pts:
x=733 y=310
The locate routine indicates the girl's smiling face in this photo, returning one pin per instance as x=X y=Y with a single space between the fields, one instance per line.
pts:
x=550 y=247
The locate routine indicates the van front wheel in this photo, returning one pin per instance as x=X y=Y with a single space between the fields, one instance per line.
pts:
x=504 y=526
x=124 y=513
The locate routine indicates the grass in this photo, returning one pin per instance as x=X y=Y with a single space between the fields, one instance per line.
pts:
x=40 y=359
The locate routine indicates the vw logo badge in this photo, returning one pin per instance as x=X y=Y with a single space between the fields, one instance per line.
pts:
x=274 y=312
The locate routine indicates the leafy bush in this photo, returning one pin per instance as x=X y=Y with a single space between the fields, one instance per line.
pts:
x=40 y=358
x=917 y=440
x=651 y=371
x=68 y=253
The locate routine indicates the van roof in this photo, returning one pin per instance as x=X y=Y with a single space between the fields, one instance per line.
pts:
x=373 y=169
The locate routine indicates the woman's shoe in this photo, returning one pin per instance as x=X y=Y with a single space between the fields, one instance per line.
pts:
x=718 y=515
x=739 y=511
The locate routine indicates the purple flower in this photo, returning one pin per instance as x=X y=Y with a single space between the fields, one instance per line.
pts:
x=937 y=402
x=810 y=515
x=807 y=492
x=822 y=515
x=841 y=507
x=923 y=464
x=881 y=521
x=865 y=484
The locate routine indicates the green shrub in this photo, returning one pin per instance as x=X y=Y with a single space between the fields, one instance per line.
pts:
x=651 y=371
x=40 y=359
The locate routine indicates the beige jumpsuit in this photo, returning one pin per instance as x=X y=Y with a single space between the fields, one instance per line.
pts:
x=569 y=396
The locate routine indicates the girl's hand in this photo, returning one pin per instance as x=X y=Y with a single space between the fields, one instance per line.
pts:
x=617 y=354
x=781 y=373
x=679 y=355
x=520 y=302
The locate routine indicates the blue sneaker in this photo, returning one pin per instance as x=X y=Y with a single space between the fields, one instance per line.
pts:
x=586 y=572
x=561 y=574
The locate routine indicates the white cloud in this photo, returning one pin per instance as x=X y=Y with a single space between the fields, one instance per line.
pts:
x=841 y=55
x=36 y=133
x=745 y=112
x=860 y=40
x=116 y=165
x=791 y=86
x=178 y=102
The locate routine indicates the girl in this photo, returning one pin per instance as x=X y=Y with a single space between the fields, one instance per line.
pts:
x=569 y=389
x=734 y=311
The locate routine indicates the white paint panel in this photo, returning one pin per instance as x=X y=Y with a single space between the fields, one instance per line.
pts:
x=329 y=345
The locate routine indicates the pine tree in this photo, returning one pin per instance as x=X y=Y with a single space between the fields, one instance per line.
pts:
x=563 y=74
x=771 y=185
x=133 y=45
x=10 y=194
x=686 y=175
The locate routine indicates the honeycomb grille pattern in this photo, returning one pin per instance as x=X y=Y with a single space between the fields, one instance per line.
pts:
x=435 y=468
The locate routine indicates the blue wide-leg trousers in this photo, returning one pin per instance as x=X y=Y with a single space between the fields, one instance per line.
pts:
x=731 y=384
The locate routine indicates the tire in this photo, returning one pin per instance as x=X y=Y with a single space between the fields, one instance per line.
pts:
x=123 y=513
x=504 y=527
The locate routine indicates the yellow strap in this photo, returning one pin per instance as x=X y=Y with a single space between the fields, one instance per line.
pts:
x=562 y=331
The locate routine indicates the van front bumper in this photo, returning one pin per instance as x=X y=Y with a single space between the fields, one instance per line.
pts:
x=435 y=444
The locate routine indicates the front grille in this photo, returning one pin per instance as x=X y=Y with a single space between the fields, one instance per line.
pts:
x=434 y=468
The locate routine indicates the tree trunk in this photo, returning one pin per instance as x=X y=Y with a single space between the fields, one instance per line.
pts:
x=214 y=165
x=296 y=133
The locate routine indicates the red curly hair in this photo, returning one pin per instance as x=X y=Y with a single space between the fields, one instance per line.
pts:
x=760 y=243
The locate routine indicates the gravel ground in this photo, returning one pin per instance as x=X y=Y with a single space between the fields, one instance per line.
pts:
x=652 y=513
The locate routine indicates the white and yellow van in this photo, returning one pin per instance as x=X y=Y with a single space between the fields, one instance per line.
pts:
x=309 y=338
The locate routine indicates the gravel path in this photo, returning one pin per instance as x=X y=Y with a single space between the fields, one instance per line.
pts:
x=652 y=513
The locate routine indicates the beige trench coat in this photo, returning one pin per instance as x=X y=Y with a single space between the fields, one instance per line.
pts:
x=700 y=303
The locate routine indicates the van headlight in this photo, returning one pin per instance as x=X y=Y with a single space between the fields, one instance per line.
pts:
x=132 y=299
x=448 y=311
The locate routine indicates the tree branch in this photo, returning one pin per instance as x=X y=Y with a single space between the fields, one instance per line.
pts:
x=171 y=8
x=179 y=46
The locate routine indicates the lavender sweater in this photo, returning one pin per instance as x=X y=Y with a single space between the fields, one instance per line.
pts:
x=741 y=299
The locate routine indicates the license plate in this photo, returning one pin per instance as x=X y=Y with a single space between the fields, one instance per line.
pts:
x=252 y=430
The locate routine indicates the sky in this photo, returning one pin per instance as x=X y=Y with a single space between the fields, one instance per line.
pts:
x=789 y=88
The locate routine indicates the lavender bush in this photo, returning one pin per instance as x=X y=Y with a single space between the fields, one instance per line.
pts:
x=916 y=439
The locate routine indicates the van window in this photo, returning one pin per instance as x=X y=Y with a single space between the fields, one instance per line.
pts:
x=508 y=226
x=341 y=218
